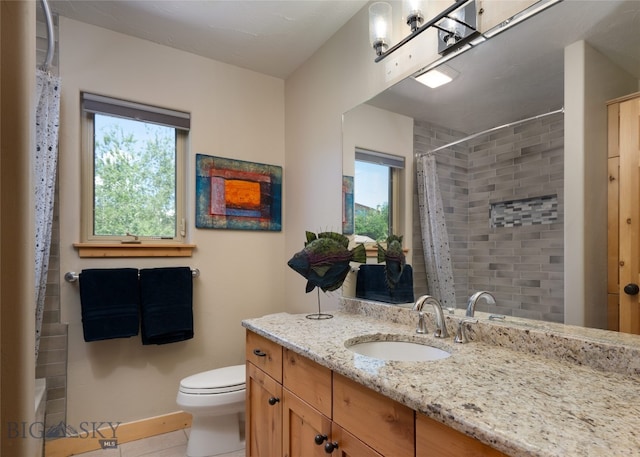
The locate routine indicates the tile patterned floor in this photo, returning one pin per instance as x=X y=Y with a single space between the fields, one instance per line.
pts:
x=172 y=444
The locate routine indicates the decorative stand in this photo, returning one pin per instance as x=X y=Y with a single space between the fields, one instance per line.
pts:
x=319 y=315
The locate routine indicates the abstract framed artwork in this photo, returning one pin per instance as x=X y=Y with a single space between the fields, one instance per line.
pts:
x=237 y=195
x=347 y=205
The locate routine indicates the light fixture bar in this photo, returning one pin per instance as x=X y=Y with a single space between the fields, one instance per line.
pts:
x=424 y=27
x=527 y=13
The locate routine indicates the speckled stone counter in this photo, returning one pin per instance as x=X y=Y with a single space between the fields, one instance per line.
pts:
x=526 y=388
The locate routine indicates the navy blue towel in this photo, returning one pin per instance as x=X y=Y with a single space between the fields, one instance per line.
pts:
x=110 y=300
x=166 y=296
x=371 y=285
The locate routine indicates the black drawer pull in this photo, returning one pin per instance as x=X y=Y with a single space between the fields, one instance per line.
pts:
x=259 y=353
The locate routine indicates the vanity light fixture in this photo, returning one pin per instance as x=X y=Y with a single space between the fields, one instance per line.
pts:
x=453 y=29
x=413 y=13
x=437 y=77
x=380 y=26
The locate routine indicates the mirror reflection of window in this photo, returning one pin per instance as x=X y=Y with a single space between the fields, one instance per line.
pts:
x=376 y=184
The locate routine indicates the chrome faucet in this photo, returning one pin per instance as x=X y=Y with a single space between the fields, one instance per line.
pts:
x=441 y=327
x=471 y=304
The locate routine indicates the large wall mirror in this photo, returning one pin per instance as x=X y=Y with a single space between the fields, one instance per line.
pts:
x=504 y=192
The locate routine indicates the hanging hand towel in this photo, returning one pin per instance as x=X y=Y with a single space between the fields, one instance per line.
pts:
x=110 y=301
x=166 y=296
x=371 y=285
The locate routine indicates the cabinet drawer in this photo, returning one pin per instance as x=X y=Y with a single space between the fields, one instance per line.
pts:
x=265 y=354
x=434 y=439
x=384 y=424
x=308 y=380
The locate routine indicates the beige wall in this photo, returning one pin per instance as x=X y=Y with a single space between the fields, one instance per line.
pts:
x=235 y=113
x=590 y=80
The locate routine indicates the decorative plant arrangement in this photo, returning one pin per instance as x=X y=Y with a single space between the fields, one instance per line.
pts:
x=324 y=262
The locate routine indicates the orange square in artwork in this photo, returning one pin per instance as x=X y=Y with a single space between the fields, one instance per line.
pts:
x=242 y=194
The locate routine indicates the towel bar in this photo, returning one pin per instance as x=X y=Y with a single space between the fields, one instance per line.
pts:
x=71 y=276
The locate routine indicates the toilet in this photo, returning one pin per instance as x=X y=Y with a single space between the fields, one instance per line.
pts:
x=216 y=400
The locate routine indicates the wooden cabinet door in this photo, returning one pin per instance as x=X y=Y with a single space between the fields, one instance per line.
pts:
x=301 y=425
x=434 y=439
x=625 y=115
x=264 y=414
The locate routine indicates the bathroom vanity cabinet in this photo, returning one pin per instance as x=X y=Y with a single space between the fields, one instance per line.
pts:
x=296 y=407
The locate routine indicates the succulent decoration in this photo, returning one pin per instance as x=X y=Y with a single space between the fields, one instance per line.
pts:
x=324 y=261
x=394 y=260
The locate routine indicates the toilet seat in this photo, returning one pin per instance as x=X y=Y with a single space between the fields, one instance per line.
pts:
x=213 y=382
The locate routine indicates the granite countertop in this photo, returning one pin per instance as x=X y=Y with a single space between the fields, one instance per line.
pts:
x=524 y=388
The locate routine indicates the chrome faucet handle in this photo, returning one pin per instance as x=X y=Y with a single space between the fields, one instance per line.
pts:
x=461 y=334
x=422 y=325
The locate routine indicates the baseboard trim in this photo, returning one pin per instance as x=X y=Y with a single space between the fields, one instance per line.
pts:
x=129 y=431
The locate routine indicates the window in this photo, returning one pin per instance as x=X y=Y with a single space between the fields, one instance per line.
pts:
x=133 y=171
x=376 y=194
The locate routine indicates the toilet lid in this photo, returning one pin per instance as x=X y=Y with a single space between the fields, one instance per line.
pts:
x=218 y=381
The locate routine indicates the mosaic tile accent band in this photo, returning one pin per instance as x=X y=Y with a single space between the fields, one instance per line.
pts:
x=530 y=211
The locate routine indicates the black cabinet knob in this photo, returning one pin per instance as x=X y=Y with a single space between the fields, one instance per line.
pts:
x=329 y=447
x=259 y=353
x=631 y=289
x=273 y=400
x=319 y=439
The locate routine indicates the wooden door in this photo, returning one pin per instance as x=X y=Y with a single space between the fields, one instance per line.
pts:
x=624 y=227
x=264 y=414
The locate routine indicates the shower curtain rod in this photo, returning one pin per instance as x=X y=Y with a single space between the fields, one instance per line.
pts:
x=493 y=129
x=50 y=36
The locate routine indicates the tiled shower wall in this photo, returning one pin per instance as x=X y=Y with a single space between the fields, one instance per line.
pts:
x=522 y=265
x=452 y=177
x=52 y=358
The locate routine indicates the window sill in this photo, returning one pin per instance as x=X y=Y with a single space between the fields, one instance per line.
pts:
x=134 y=250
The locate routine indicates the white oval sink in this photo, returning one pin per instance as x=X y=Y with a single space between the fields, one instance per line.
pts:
x=401 y=351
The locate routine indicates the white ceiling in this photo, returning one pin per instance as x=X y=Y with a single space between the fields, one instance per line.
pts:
x=267 y=36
